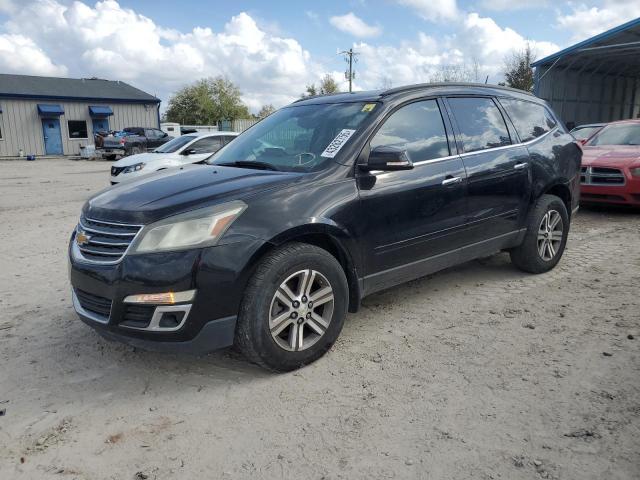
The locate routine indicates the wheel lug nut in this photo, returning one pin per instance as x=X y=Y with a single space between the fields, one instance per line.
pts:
x=296 y=304
x=300 y=320
x=310 y=304
x=309 y=315
x=304 y=299
x=294 y=314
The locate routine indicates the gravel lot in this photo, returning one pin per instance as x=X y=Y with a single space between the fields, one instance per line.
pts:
x=478 y=372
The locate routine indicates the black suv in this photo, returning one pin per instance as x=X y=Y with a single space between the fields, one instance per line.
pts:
x=320 y=204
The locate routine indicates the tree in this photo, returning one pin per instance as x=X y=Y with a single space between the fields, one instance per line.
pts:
x=327 y=85
x=265 y=111
x=206 y=102
x=452 y=73
x=518 y=71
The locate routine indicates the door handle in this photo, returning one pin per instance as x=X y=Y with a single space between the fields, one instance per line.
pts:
x=452 y=180
x=520 y=166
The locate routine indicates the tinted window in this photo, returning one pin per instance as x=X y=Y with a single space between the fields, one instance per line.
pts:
x=480 y=122
x=417 y=128
x=530 y=119
x=77 y=128
x=207 y=145
x=175 y=144
x=621 y=134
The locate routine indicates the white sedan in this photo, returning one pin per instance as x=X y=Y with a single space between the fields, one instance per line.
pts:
x=191 y=148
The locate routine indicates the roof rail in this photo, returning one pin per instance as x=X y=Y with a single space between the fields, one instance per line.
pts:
x=422 y=86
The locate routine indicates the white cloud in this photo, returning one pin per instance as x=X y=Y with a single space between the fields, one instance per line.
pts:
x=355 y=26
x=585 y=22
x=110 y=41
x=433 y=10
x=499 y=5
x=19 y=54
x=478 y=40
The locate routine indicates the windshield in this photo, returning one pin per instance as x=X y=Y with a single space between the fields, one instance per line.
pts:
x=175 y=144
x=622 y=134
x=582 y=133
x=297 y=138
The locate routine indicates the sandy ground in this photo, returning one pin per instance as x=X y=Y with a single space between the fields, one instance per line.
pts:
x=478 y=372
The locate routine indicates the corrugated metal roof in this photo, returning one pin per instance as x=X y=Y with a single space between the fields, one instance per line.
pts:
x=613 y=42
x=28 y=86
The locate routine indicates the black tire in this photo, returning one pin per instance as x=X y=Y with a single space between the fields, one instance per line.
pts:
x=253 y=336
x=110 y=157
x=527 y=256
x=135 y=150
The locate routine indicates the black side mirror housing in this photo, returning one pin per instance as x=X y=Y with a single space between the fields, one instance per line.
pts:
x=189 y=151
x=387 y=159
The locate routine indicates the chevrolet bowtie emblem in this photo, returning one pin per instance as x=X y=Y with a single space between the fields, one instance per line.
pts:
x=82 y=238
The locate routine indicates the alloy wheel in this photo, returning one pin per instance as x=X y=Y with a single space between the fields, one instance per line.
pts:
x=301 y=310
x=550 y=235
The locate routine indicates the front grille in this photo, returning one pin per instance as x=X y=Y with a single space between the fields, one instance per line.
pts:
x=93 y=303
x=115 y=171
x=601 y=176
x=138 y=316
x=104 y=242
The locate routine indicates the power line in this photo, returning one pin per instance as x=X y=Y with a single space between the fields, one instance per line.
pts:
x=350 y=57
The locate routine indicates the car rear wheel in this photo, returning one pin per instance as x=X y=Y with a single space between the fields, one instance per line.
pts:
x=546 y=237
x=135 y=150
x=293 y=308
x=110 y=157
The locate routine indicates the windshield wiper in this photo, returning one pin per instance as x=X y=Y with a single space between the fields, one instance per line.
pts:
x=249 y=164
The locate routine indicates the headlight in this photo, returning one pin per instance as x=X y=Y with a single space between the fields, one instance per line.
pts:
x=200 y=228
x=635 y=172
x=134 y=168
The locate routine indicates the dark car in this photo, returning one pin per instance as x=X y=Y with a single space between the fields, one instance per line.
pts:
x=318 y=205
x=130 y=141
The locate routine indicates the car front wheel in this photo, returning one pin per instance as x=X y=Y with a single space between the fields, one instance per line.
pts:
x=293 y=308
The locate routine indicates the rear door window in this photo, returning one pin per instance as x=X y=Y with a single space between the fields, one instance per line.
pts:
x=206 y=145
x=530 y=119
x=480 y=123
x=417 y=128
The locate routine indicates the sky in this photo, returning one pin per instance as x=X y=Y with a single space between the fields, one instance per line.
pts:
x=272 y=49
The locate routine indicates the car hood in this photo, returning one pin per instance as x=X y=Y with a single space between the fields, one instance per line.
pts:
x=143 y=157
x=611 y=155
x=178 y=190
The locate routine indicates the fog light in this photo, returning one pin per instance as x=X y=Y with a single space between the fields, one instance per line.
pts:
x=167 y=298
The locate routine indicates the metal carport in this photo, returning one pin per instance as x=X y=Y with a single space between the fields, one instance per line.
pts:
x=597 y=80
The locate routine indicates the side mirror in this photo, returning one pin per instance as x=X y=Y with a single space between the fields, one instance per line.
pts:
x=189 y=151
x=387 y=159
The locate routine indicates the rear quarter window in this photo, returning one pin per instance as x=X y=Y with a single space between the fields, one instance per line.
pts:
x=480 y=123
x=530 y=119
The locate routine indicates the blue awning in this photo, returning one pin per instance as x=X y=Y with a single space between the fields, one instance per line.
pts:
x=50 y=110
x=100 y=111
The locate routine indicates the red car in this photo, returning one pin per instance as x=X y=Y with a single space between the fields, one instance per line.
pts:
x=611 y=165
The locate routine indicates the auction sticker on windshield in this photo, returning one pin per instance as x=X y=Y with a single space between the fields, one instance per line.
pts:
x=336 y=144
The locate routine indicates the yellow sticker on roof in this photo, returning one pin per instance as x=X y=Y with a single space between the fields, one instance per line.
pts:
x=369 y=107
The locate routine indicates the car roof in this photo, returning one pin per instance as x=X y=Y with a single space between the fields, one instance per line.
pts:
x=209 y=134
x=421 y=88
x=589 y=125
x=631 y=120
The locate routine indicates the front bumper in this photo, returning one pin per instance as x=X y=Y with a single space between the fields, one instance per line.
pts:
x=217 y=274
x=627 y=194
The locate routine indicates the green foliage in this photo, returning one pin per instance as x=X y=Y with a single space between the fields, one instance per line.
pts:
x=206 y=102
x=265 y=111
x=518 y=71
x=327 y=85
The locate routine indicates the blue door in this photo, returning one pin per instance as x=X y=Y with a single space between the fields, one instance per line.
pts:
x=52 y=136
x=100 y=125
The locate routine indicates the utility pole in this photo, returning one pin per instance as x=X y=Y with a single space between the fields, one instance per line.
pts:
x=350 y=57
